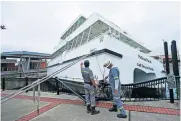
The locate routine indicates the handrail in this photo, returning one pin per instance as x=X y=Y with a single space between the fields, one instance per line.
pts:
x=70 y=89
x=49 y=76
x=40 y=80
x=158 y=79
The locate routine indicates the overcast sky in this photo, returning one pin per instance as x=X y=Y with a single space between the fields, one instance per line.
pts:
x=37 y=26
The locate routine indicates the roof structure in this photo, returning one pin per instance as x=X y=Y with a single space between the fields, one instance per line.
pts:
x=97 y=23
x=18 y=54
x=74 y=25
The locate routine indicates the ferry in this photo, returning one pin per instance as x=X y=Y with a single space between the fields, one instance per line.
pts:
x=111 y=43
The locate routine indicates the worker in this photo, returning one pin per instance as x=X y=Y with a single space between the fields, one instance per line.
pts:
x=89 y=86
x=115 y=84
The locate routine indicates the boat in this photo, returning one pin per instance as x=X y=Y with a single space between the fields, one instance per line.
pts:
x=110 y=42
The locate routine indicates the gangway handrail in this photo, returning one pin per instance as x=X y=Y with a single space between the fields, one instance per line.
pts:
x=36 y=82
x=41 y=80
x=70 y=89
x=44 y=78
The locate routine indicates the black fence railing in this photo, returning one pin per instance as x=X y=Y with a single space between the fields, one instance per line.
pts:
x=150 y=90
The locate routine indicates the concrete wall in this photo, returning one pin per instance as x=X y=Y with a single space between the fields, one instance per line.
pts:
x=17 y=83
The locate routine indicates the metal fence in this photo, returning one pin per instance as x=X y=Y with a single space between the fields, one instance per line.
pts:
x=150 y=90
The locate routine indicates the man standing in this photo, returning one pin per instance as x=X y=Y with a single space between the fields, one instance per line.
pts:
x=116 y=89
x=89 y=86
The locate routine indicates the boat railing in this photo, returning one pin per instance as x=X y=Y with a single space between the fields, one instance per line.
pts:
x=153 y=89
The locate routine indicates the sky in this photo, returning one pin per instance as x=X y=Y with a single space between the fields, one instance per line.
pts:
x=37 y=26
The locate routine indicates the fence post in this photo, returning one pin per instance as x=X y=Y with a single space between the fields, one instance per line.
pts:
x=34 y=94
x=129 y=116
x=26 y=79
x=57 y=86
x=38 y=104
x=3 y=84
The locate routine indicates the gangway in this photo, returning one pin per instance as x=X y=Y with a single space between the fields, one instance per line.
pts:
x=39 y=81
x=70 y=89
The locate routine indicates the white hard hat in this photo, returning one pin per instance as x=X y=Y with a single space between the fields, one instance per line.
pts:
x=107 y=63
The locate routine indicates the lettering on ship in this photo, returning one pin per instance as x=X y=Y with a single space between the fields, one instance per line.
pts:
x=143 y=66
x=145 y=59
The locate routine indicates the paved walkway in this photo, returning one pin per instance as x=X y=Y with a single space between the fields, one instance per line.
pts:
x=67 y=107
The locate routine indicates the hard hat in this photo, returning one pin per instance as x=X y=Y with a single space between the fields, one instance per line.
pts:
x=107 y=63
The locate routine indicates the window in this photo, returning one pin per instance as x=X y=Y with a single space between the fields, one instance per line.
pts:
x=101 y=39
x=79 y=40
x=73 y=43
x=86 y=35
x=69 y=45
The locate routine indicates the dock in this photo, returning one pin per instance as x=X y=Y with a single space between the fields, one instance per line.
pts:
x=66 y=107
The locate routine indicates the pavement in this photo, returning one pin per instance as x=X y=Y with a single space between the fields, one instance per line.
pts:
x=65 y=107
x=17 y=108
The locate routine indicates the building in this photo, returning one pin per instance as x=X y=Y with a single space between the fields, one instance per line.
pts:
x=23 y=63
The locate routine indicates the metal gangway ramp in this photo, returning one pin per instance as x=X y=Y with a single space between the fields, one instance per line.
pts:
x=39 y=81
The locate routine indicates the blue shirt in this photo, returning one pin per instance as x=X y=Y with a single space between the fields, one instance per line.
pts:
x=114 y=78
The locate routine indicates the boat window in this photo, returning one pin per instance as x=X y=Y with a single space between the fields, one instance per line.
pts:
x=93 y=31
x=76 y=39
x=70 y=30
x=63 y=49
x=86 y=35
x=112 y=30
x=79 y=39
x=66 y=46
x=117 y=33
x=101 y=39
x=69 y=45
x=76 y=25
x=73 y=43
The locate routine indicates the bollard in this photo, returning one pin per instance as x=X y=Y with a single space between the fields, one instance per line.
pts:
x=26 y=81
x=171 y=96
x=166 y=58
x=175 y=63
x=3 y=84
x=57 y=86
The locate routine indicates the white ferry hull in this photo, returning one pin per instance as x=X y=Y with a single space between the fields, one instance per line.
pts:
x=134 y=66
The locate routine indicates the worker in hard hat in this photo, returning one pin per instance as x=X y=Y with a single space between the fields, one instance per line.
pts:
x=89 y=86
x=115 y=84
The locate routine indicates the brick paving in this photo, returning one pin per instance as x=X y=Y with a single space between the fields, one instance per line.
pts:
x=35 y=113
x=56 y=101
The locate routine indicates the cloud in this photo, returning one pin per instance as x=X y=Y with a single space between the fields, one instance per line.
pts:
x=37 y=26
